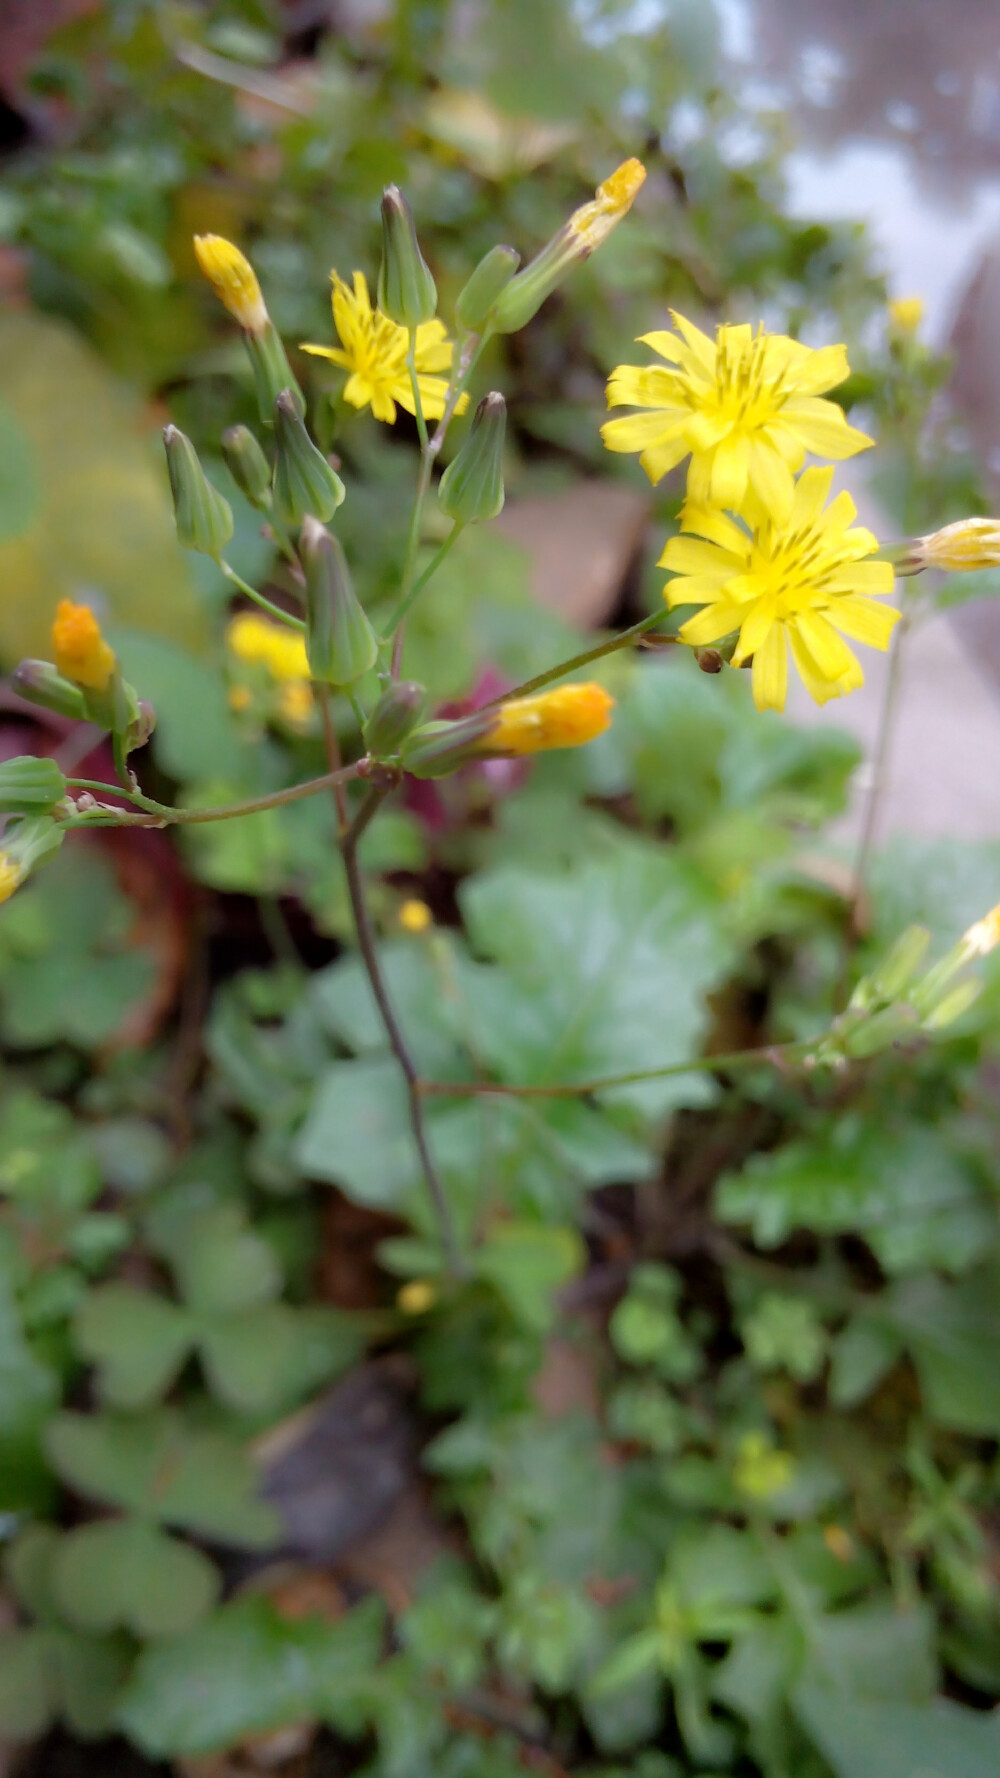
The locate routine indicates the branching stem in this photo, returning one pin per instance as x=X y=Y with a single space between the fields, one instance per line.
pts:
x=778 y=1056
x=400 y=1048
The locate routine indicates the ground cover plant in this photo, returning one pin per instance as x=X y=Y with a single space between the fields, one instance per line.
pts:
x=498 y=1216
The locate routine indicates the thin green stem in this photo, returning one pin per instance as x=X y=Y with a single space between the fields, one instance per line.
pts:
x=880 y=763
x=400 y=1048
x=431 y=569
x=775 y=1056
x=105 y=789
x=161 y=815
x=285 y=617
x=462 y=370
x=418 y=406
x=622 y=640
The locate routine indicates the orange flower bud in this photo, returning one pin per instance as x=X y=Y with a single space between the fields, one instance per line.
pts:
x=81 y=652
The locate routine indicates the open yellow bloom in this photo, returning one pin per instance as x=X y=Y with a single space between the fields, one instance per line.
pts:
x=801 y=585
x=567 y=716
x=258 y=642
x=233 y=279
x=10 y=876
x=746 y=406
x=80 y=650
x=374 y=350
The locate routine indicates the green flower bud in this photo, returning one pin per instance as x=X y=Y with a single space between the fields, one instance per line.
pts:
x=27 y=843
x=204 y=519
x=141 y=726
x=406 y=290
x=30 y=785
x=476 y=298
x=953 y=1004
x=271 y=370
x=395 y=714
x=248 y=466
x=894 y=1024
x=438 y=748
x=340 y=642
x=894 y=975
x=471 y=487
x=303 y=479
x=575 y=241
x=40 y=683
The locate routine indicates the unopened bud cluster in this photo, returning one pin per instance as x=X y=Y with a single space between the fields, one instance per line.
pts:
x=896 y=1005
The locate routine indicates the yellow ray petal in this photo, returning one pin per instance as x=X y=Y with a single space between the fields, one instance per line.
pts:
x=770 y=671
x=863 y=620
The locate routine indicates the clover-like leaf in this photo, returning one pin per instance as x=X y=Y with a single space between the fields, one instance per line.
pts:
x=124 y=1573
x=157 y=1467
x=220 y=1265
x=138 y=1341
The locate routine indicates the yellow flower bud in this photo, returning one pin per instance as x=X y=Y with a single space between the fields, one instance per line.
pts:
x=983 y=936
x=415 y=916
x=10 y=876
x=566 y=716
x=965 y=545
x=588 y=226
x=234 y=281
x=906 y=313
x=416 y=1297
x=593 y=222
x=81 y=652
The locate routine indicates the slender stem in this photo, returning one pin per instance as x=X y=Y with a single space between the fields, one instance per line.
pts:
x=332 y=745
x=421 y=581
x=775 y=1056
x=462 y=370
x=286 y=617
x=105 y=789
x=418 y=406
x=622 y=640
x=880 y=763
x=393 y=1030
x=160 y=815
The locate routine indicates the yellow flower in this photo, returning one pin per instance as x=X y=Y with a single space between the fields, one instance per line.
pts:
x=10 y=876
x=295 y=702
x=415 y=916
x=568 y=716
x=258 y=642
x=80 y=650
x=233 y=279
x=906 y=313
x=965 y=545
x=416 y=1297
x=746 y=406
x=374 y=349
x=792 y=585
x=240 y=697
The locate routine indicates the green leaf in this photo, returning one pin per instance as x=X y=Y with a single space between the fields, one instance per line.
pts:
x=220 y=1265
x=156 y=1467
x=196 y=735
x=953 y=1333
x=246 y=1671
x=862 y=1355
x=69 y=964
x=27 y=1691
x=104 y=520
x=610 y=968
x=528 y=1263
x=123 y=1573
x=138 y=1341
x=28 y=1393
x=357 y=1134
x=905 y=1190
x=863 y=1736
x=251 y=1360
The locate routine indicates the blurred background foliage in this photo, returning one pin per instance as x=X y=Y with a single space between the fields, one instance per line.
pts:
x=697 y=1470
